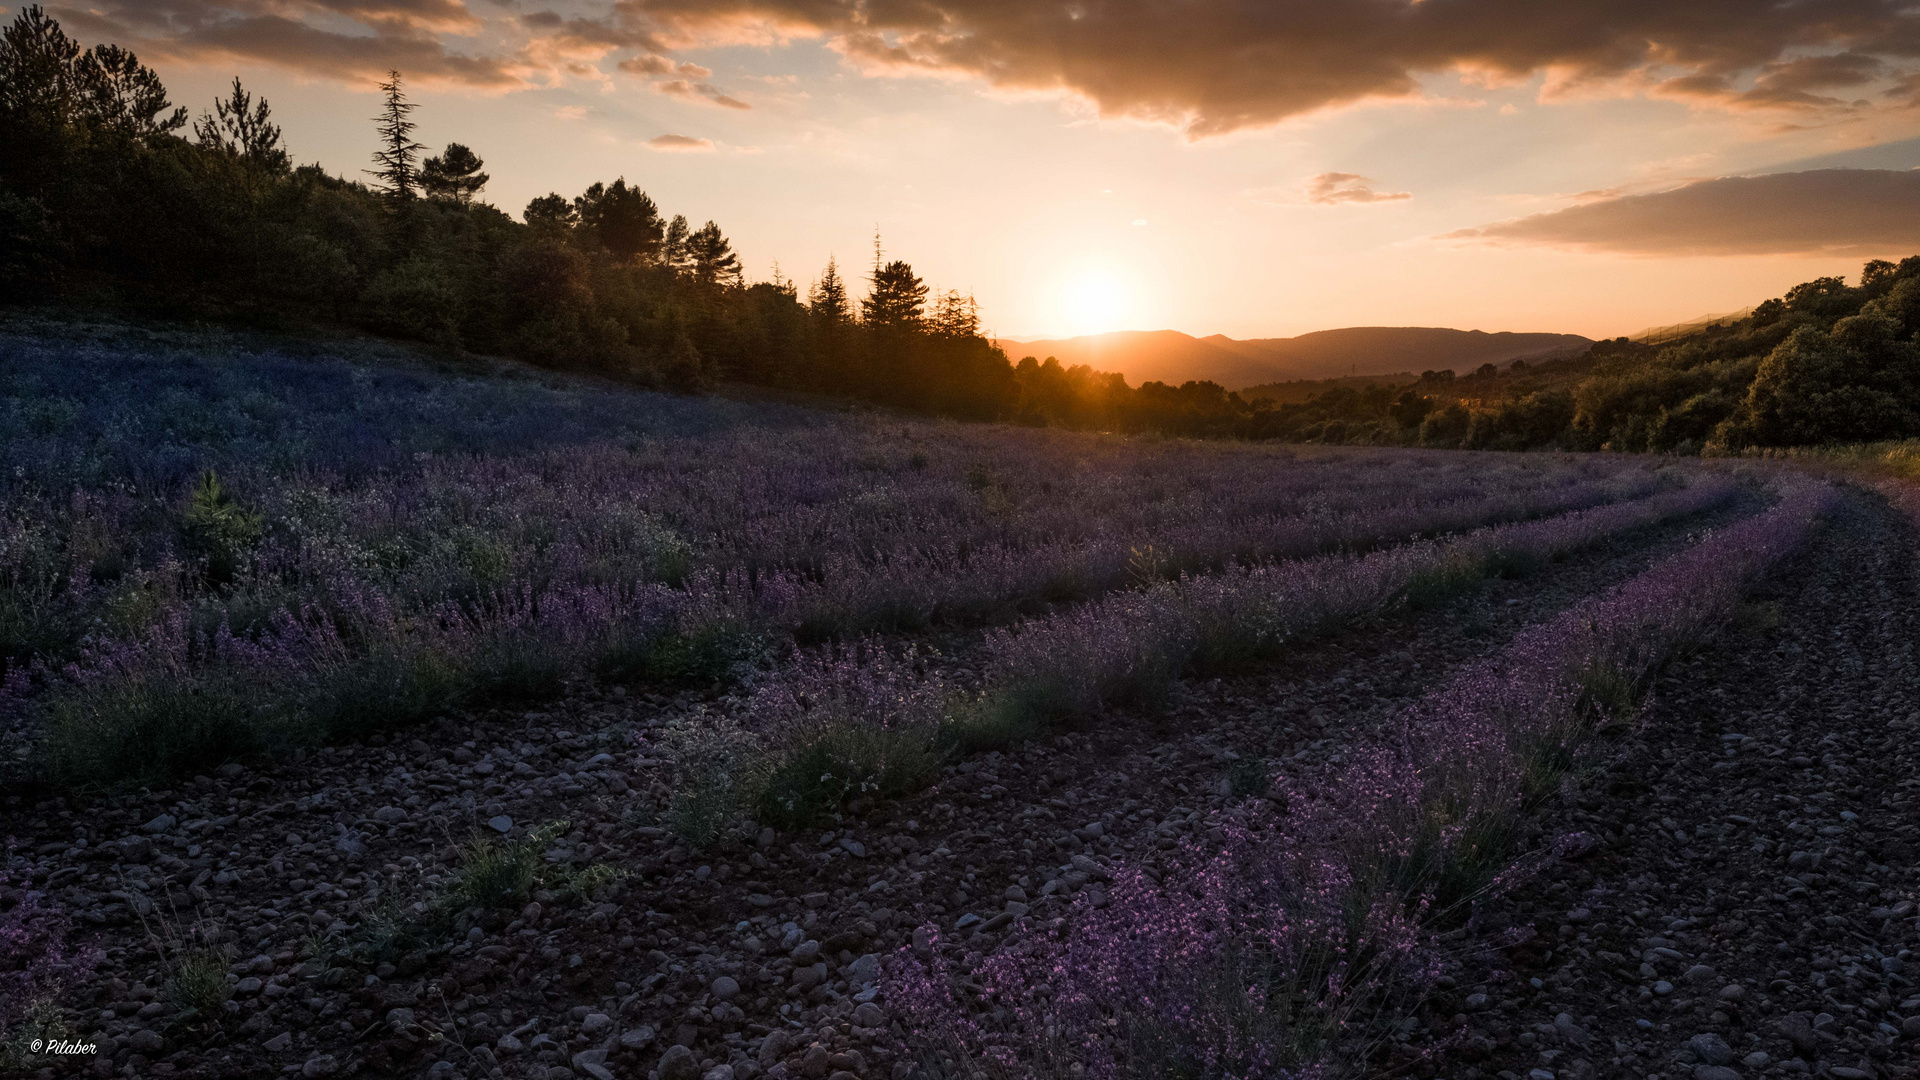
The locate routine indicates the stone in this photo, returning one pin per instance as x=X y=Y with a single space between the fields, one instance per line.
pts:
x=805 y=953
x=852 y=847
x=1844 y=1073
x=1798 y=1029
x=637 y=1038
x=500 y=823
x=1733 y=992
x=399 y=1020
x=593 y=1063
x=1910 y=1027
x=389 y=815
x=320 y=1065
x=595 y=1023
x=1710 y=1049
x=778 y=1044
x=719 y=1072
x=508 y=1044
x=1699 y=974
x=1759 y=1059
x=678 y=1063
x=146 y=1041
x=1715 y=1072
x=725 y=988
x=869 y=1015
x=279 y=1044
x=159 y=824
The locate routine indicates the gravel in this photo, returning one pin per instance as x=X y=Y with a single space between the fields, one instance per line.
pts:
x=1752 y=909
x=757 y=956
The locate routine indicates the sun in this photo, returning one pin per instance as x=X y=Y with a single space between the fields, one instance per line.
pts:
x=1093 y=301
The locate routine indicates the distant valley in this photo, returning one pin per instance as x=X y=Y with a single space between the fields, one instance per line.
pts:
x=1173 y=357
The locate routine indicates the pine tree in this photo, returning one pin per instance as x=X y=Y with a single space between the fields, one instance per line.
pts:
x=827 y=300
x=623 y=219
x=240 y=125
x=454 y=175
x=954 y=315
x=711 y=258
x=552 y=211
x=398 y=152
x=898 y=297
x=673 y=250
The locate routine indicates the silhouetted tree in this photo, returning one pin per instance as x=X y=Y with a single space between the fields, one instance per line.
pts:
x=398 y=152
x=673 y=248
x=623 y=219
x=120 y=95
x=454 y=175
x=241 y=125
x=552 y=211
x=710 y=258
x=827 y=300
x=954 y=315
x=897 y=299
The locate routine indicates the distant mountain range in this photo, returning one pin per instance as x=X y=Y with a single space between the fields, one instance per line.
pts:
x=1173 y=357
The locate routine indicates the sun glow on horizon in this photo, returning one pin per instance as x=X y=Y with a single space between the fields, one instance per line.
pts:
x=1093 y=301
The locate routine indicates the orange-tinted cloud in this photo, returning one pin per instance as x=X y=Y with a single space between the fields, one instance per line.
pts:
x=680 y=143
x=1215 y=66
x=1345 y=187
x=1825 y=211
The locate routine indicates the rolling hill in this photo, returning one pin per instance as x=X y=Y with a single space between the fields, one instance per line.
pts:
x=1173 y=357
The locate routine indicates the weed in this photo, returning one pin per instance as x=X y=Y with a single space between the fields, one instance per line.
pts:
x=701 y=809
x=817 y=773
x=218 y=529
x=198 y=982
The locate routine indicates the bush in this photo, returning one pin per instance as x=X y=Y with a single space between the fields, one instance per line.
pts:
x=817 y=773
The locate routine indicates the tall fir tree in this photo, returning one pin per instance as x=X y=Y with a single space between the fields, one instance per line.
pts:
x=828 y=300
x=898 y=298
x=398 y=173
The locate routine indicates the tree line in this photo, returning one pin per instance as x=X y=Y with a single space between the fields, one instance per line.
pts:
x=1825 y=363
x=111 y=195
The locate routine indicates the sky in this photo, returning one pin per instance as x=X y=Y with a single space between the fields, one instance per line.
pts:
x=1257 y=168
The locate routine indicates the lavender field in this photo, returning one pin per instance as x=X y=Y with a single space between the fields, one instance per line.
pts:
x=367 y=714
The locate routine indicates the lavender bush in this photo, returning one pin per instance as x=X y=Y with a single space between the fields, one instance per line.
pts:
x=210 y=550
x=37 y=965
x=1293 y=947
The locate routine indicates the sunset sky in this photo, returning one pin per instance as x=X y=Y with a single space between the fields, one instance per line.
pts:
x=1255 y=169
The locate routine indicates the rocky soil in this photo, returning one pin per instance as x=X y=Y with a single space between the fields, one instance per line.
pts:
x=757 y=956
x=1751 y=911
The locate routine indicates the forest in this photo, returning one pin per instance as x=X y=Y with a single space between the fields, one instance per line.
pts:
x=114 y=198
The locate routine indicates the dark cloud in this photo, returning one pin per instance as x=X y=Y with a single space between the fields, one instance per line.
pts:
x=1825 y=211
x=1215 y=66
x=1346 y=187
x=404 y=34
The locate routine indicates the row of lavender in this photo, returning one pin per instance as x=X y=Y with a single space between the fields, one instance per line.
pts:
x=411 y=544
x=842 y=722
x=1294 y=947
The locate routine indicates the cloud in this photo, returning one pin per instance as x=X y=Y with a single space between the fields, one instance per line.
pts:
x=1217 y=66
x=1345 y=187
x=1823 y=211
x=680 y=143
x=309 y=36
x=690 y=90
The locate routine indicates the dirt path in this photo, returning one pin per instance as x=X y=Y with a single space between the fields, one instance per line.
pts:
x=1753 y=908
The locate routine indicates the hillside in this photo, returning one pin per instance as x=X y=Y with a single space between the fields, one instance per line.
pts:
x=1173 y=357
x=1825 y=363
